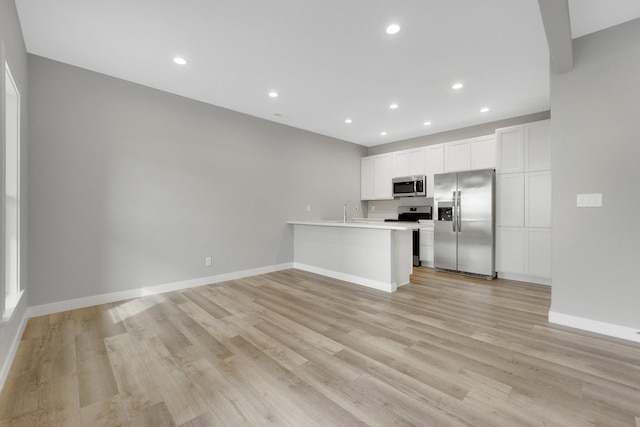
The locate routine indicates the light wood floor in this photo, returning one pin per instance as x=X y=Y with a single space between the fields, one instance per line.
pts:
x=293 y=348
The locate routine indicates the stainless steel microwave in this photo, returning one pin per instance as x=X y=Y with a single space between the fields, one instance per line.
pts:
x=409 y=186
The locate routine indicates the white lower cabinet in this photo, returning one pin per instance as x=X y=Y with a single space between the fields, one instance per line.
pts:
x=510 y=250
x=538 y=253
x=524 y=254
x=426 y=246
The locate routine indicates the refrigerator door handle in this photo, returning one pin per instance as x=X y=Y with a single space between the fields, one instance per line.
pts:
x=453 y=212
x=459 y=215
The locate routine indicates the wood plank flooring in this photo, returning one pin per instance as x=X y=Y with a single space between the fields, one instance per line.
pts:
x=296 y=349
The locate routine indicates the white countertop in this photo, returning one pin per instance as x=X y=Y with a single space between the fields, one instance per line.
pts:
x=380 y=225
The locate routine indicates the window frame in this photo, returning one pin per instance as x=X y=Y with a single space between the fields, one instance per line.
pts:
x=9 y=305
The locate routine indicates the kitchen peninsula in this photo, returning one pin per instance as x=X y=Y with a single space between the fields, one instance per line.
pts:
x=370 y=253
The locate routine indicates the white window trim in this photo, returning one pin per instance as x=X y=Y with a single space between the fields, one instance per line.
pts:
x=7 y=308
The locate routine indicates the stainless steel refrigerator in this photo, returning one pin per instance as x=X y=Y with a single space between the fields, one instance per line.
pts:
x=464 y=226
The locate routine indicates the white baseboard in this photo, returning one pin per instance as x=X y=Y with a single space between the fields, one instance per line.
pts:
x=596 y=326
x=381 y=286
x=6 y=366
x=56 y=307
x=521 y=278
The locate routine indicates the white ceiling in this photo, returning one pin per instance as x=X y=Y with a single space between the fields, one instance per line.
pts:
x=329 y=60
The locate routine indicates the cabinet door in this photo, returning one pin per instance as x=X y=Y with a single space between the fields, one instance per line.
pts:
x=366 y=178
x=426 y=237
x=400 y=163
x=426 y=246
x=382 y=174
x=538 y=259
x=434 y=164
x=538 y=199
x=426 y=255
x=510 y=248
x=538 y=146
x=417 y=161
x=510 y=200
x=457 y=156
x=483 y=152
x=510 y=149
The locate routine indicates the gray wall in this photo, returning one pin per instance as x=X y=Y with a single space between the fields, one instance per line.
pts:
x=456 y=134
x=15 y=54
x=134 y=187
x=595 y=131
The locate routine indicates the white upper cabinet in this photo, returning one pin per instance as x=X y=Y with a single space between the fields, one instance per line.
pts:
x=538 y=146
x=366 y=178
x=409 y=162
x=400 y=163
x=375 y=177
x=417 y=161
x=382 y=174
x=434 y=164
x=510 y=149
x=377 y=171
x=468 y=154
x=483 y=152
x=524 y=148
x=457 y=156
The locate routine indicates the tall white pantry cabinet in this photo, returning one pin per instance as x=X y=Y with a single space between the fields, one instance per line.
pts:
x=523 y=202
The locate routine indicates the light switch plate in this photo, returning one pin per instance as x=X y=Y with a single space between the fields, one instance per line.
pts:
x=589 y=200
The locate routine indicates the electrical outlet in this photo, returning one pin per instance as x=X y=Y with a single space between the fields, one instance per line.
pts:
x=308 y=208
x=589 y=200
x=207 y=261
x=373 y=208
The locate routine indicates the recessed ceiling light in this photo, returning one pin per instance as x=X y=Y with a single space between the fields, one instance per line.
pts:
x=273 y=94
x=180 y=61
x=393 y=29
x=383 y=133
x=457 y=86
x=484 y=109
x=427 y=123
x=348 y=121
x=393 y=106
